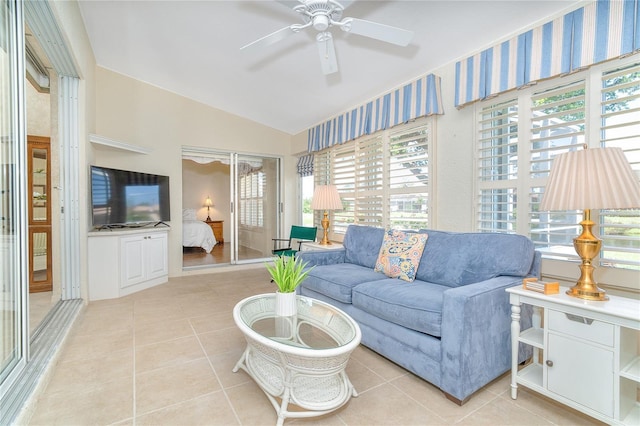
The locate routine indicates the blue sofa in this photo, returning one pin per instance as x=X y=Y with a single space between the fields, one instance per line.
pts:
x=451 y=325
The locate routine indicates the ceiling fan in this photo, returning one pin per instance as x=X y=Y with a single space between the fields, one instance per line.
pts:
x=324 y=14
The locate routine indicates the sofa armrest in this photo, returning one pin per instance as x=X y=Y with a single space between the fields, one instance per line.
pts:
x=322 y=257
x=476 y=335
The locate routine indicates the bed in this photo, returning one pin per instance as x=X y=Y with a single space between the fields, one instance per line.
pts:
x=196 y=233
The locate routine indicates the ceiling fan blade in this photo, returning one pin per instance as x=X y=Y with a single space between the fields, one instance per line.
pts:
x=345 y=3
x=327 y=52
x=378 y=31
x=270 y=39
x=290 y=4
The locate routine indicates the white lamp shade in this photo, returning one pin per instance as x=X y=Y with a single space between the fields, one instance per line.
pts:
x=597 y=178
x=326 y=197
x=208 y=202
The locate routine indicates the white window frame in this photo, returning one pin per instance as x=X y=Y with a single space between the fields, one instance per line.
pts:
x=566 y=271
x=366 y=192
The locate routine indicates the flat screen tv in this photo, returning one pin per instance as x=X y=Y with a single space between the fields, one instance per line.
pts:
x=126 y=198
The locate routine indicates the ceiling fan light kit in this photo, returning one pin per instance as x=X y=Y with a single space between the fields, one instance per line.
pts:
x=324 y=14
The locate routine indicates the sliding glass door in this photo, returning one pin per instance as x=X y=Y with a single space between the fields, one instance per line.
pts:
x=237 y=195
x=257 y=213
x=13 y=335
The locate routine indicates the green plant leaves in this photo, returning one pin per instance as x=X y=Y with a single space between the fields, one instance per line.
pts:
x=287 y=272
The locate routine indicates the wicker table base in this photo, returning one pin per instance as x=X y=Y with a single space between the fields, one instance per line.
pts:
x=298 y=360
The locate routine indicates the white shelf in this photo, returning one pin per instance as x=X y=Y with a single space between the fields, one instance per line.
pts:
x=531 y=375
x=101 y=140
x=633 y=418
x=632 y=370
x=533 y=336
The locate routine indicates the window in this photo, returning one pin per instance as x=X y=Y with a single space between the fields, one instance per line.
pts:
x=620 y=127
x=520 y=135
x=252 y=187
x=497 y=167
x=383 y=179
x=306 y=184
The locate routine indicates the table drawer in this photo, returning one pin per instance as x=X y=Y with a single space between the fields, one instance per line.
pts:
x=581 y=327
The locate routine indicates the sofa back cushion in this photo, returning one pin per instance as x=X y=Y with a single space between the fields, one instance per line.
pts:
x=362 y=245
x=455 y=259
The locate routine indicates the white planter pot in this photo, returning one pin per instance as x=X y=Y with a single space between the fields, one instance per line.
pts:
x=286 y=304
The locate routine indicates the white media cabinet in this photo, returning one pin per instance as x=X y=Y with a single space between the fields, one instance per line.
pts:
x=126 y=261
x=585 y=353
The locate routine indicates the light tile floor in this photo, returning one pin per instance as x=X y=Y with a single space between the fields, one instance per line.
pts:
x=164 y=356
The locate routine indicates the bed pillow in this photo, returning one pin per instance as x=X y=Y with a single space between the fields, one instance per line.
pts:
x=189 y=214
x=400 y=254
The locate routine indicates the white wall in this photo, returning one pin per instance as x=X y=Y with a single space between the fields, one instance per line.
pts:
x=137 y=113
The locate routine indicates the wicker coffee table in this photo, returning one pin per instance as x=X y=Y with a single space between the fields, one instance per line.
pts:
x=298 y=360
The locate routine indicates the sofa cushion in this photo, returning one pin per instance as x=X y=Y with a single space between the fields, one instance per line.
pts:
x=362 y=244
x=416 y=305
x=400 y=254
x=337 y=281
x=455 y=259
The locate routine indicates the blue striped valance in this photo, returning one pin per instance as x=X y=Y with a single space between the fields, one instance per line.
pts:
x=417 y=99
x=305 y=165
x=597 y=32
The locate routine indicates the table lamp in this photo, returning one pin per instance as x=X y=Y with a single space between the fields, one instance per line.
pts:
x=597 y=178
x=208 y=203
x=326 y=197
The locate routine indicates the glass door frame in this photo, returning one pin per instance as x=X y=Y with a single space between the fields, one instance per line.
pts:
x=235 y=211
x=17 y=255
x=203 y=155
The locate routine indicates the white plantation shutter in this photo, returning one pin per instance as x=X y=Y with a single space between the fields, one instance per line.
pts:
x=620 y=127
x=519 y=135
x=557 y=126
x=370 y=181
x=409 y=182
x=383 y=179
x=497 y=167
x=252 y=188
x=343 y=161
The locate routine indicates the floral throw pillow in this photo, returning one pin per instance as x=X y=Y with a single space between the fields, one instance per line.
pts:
x=400 y=254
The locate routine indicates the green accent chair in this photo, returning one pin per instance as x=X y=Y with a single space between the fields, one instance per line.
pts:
x=299 y=234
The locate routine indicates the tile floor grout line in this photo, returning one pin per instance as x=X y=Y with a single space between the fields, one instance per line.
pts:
x=409 y=396
x=215 y=373
x=133 y=307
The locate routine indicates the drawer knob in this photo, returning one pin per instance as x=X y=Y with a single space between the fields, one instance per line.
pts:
x=549 y=363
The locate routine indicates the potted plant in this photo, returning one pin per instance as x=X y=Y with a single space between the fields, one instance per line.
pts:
x=287 y=272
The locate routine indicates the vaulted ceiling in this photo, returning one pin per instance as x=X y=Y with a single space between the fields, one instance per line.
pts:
x=192 y=48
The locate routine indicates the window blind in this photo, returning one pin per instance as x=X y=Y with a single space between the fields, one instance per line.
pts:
x=620 y=127
x=514 y=160
x=383 y=180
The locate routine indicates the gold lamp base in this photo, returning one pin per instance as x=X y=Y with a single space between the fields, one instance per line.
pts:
x=325 y=226
x=587 y=246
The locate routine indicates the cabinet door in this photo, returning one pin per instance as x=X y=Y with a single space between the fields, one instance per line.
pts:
x=581 y=372
x=132 y=260
x=156 y=254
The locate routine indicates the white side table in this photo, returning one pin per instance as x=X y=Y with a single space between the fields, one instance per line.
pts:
x=307 y=246
x=590 y=356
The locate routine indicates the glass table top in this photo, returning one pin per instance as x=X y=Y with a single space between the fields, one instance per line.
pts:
x=317 y=325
